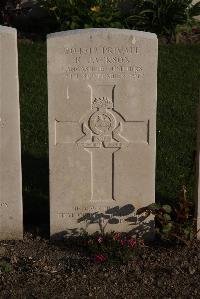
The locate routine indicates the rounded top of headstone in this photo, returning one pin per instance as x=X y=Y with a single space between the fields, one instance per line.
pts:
x=7 y=29
x=141 y=34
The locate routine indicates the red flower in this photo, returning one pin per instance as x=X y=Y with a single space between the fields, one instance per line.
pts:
x=123 y=242
x=117 y=236
x=132 y=242
x=100 y=258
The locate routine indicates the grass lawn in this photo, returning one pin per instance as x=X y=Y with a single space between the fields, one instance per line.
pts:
x=178 y=97
x=178 y=85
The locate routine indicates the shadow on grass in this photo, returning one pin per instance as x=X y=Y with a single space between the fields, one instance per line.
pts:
x=35 y=176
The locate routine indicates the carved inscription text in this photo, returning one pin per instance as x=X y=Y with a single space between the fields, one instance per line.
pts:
x=103 y=63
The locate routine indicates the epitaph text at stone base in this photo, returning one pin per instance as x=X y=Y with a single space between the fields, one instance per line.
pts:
x=102 y=129
x=11 y=217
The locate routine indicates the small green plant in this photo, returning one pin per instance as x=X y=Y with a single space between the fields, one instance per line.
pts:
x=164 y=17
x=76 y=14
x=112 y=247
x=174 y=223
x=5 y=266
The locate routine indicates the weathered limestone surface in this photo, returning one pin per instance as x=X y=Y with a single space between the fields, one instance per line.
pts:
x=10 y=148
x=102 y=129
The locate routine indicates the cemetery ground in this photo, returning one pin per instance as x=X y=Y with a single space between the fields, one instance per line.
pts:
x=37 y=268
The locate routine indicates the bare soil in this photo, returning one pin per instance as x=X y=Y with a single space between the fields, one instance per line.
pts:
x=38 y=268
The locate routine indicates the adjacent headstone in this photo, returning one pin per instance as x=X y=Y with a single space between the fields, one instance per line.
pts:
x=193 y=3
x=10 y=150
x=102 y=129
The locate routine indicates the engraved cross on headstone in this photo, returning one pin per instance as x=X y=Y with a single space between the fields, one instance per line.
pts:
x=103 y=135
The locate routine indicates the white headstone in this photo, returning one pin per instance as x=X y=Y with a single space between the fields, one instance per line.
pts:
x=102 y=129
x=11 y=223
